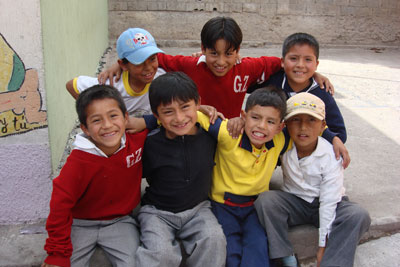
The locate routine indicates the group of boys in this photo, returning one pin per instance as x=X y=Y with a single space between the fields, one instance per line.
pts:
x=208 y=193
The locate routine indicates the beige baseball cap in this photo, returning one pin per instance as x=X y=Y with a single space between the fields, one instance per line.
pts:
x=305 y=103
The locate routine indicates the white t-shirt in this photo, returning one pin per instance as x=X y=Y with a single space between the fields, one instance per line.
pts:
x=318 y=175
x=137 y=104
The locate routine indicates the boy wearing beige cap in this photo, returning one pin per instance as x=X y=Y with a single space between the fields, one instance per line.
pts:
x=312 y=191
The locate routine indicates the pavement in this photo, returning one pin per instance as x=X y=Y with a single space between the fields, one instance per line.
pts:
x=367 y=90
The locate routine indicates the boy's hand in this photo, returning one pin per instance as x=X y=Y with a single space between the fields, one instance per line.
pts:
x=235 y=127
x=211 y=112
x=320 y=254
x=135 y=125
x=48 y=265
x=324 y=83
x=238 y=59
x=197 y=54
x=109 y=74
x=341 y=150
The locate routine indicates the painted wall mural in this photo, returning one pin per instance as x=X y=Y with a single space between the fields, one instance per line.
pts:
x=20 y=98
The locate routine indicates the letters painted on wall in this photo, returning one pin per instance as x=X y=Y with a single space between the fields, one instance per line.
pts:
x=20 y=98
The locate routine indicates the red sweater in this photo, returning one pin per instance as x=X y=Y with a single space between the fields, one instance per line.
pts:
x=224 y=93
x=92 y=187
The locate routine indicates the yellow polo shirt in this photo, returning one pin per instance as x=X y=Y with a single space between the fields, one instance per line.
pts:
x=241 y=168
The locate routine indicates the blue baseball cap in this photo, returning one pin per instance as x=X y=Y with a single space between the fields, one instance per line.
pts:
x=136 y=45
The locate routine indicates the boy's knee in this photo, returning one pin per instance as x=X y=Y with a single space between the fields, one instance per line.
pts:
x=362 y=215
x=216 y=236
x=164 y=253
x=265 y=201
x=357 y=215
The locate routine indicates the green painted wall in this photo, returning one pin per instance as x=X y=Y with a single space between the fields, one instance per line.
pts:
x=75 y=36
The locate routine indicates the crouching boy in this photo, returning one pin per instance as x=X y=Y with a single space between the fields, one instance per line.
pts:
x=98 y=187
x=312 y=191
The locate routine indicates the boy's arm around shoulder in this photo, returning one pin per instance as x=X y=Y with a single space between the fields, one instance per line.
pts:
x=218 y=130
x=176 y=63
x=71 y=90
x=80 y=84
x=339 y=148
x=113 y=73
x=334 y=118
x=262 y=67
x=136 y=125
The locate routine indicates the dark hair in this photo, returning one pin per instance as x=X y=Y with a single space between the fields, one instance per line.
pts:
x=300 y=38
x=172 y=86
x=221 y=28
x=93 y=93
x=269 y=96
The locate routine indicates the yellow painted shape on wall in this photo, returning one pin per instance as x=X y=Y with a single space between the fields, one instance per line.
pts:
x=6 y=64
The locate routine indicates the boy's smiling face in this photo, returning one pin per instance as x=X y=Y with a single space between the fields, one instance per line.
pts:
x=178 y=118
x=300 y=64
x=141 y=74
x=220 y=59
x=262 y=124
x=304 y=130
x=105 y=124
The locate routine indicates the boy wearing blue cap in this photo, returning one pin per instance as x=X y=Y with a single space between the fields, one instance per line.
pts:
x=137 y=52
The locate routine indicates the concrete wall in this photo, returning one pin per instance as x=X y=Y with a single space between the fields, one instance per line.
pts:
x=74 y=38
x=263 y=22
x=42 y=45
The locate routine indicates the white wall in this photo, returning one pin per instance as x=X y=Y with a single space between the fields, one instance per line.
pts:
x=24 y=146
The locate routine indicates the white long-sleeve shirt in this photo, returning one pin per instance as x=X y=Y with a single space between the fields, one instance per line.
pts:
x=318 y=175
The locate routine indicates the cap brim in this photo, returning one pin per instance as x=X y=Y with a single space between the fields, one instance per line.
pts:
x=142 y=54
x=303 y=111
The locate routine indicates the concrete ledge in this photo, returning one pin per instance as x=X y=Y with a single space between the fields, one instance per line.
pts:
x=22 y=245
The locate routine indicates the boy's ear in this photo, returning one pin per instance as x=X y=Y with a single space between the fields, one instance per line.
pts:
x=281 y=125
x=122 y=65
x=85 y=130
x=203 y=50
x=126 y=117
x=282 y=64
x=243 y=114
x=323 y=126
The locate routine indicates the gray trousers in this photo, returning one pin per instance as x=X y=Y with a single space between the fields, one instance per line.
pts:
x=278 y=210
x=119 y=238
x=161 y=231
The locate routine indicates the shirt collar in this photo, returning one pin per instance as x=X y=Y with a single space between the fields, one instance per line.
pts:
x=289 y=90
x=198 y=129
x=202 y=58
x=83 y=143
x=246 y=144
